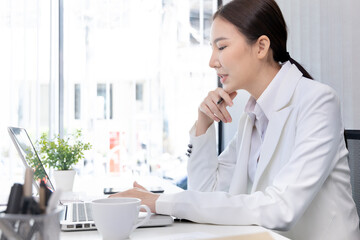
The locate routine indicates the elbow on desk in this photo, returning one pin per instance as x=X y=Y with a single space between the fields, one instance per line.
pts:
x=282 y=220
x=280 y=226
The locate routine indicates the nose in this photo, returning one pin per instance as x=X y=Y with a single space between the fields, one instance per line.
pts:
x=214 y=61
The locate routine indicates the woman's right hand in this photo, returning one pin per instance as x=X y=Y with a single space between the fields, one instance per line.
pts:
x=209 y=110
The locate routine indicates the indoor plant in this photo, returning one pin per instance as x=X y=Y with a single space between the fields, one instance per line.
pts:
x=62 y=154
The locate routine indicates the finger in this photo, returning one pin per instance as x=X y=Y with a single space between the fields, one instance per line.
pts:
x=214 y=108
x=140 y=190
x=136 y=185
x=224 y=110
x=205 y=109
x=225 y=113
x=119 y=194
x=226 y=97
x=222 y=107
x=220 y=101
x=233 y=95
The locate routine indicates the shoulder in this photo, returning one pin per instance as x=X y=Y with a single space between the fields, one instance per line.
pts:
x=317 y=103
x=311 y=86
x=309 y=91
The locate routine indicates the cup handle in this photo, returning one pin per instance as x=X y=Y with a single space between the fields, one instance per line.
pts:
x=145 y=219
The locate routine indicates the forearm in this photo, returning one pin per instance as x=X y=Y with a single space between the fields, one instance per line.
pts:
x=203 y=162
x=206 y=170
x=203 y=123
x=223 y=208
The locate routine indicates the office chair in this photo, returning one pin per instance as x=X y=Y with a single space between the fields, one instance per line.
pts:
x=352 y=140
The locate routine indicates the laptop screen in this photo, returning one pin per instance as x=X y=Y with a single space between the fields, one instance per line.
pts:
x=29 y=155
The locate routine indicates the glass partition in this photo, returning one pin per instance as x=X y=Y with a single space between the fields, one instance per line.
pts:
x=134 y=75
x=25 y=73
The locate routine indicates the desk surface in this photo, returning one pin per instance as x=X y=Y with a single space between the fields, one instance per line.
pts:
x=178 y=231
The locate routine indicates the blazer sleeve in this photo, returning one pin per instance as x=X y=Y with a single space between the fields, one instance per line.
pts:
x=206 y=171
x=315 y=152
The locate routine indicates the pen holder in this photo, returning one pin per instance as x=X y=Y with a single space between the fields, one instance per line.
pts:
x=32 y=227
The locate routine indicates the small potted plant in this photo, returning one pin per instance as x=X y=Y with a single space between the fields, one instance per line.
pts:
x=62 y=154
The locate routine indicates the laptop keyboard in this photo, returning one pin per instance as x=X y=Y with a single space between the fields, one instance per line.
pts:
x=89 y=211
x=82 y=212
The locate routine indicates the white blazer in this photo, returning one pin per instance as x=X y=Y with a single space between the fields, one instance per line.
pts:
x=302 y=182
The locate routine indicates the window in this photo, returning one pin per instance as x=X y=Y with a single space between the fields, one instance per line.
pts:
x=77 y=103
x=103 y=102
x=26 y=80
x=142 y=66
x=134 y=73
x=139 y=92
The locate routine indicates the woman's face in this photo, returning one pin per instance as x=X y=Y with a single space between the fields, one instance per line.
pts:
x=232 y=57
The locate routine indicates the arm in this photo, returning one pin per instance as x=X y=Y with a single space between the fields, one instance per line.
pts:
x=205 y=140
x=277 y=206
x=204 y=168
x=207 y=171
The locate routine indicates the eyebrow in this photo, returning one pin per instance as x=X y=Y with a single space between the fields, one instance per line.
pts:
x=218 y=39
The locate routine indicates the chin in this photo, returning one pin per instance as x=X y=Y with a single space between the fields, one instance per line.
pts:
x=228 y=88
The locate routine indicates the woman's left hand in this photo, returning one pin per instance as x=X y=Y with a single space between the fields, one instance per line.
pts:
x=147 y=198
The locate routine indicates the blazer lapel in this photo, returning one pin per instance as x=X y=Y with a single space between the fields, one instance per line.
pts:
x=270 y=143
x=277 y=120
x=239 y=180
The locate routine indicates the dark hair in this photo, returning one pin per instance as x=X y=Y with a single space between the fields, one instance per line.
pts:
x=254 y=18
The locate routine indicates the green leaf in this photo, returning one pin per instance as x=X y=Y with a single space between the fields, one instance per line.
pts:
x=62 y=153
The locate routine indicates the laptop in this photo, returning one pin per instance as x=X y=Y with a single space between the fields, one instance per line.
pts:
x=76 y=215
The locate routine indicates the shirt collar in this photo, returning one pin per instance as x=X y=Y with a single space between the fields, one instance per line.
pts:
x=266 y=100
x=249 y=108
x=253 y=109
x=264 y=105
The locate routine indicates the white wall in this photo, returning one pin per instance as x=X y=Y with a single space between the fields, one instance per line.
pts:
x=322 y=37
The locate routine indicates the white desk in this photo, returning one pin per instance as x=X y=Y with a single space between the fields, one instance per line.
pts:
x=177 y=231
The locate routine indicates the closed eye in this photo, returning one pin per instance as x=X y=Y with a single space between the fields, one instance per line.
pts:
x=222 y=48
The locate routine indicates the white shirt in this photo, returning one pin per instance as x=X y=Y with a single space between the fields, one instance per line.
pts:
x=257 y=110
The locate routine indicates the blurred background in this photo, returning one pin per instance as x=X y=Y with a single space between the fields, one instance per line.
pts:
x=131 y=75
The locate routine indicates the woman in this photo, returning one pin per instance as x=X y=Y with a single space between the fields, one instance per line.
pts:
x=286 y=168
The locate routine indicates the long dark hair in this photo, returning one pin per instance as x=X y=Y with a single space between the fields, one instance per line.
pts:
x=254 y=18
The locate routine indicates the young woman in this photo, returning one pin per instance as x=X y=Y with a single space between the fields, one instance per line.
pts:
x=286 y=167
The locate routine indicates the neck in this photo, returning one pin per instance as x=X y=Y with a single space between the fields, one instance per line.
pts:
x=266 y=73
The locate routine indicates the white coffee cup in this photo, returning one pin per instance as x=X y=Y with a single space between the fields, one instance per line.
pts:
x=117 y=218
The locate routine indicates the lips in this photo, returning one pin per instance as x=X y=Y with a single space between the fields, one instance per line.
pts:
x=223 y=77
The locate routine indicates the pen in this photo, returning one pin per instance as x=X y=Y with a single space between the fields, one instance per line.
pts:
x=15 y=197
x=53 y=201
x=220 y=101
x=13 y=207
x=28 y=182
x=29 y=205
x=42 y=196
x=27 y=190
x=24 y=226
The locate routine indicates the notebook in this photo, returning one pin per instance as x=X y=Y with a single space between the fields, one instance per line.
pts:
x=76 y=215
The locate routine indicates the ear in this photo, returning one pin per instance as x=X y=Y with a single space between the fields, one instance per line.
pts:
x=262 y=47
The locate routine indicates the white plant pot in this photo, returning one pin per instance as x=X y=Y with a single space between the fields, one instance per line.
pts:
x=64 y=179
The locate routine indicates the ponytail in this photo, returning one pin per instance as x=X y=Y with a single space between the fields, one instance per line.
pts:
x=286 y=57
x=301 y=68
